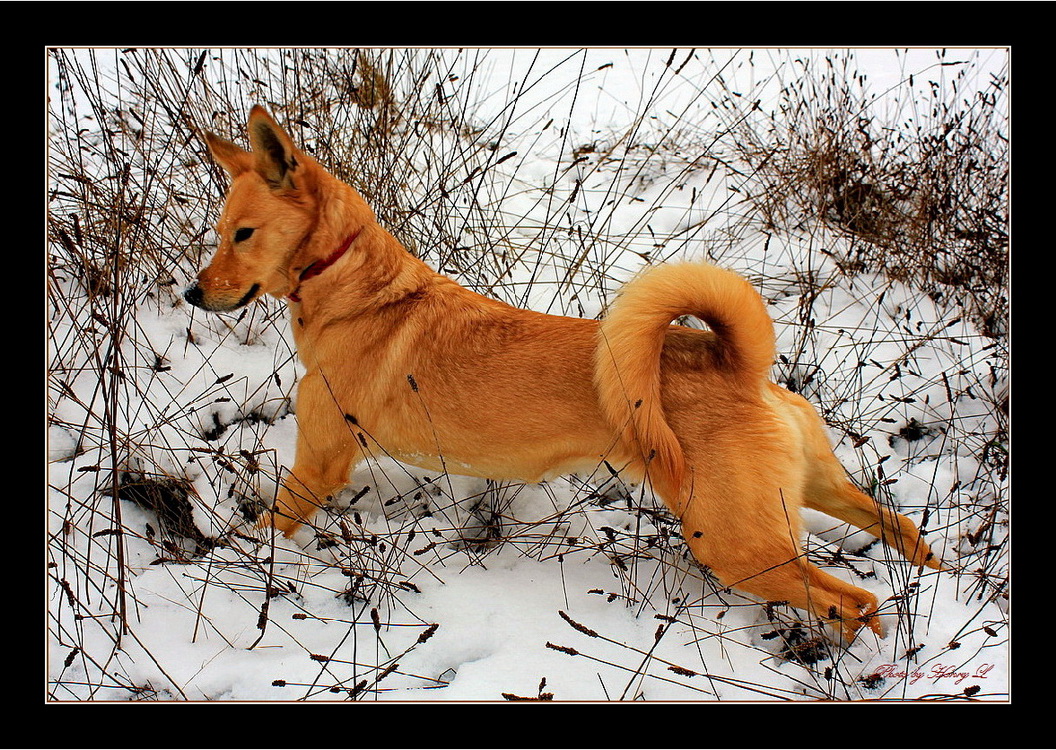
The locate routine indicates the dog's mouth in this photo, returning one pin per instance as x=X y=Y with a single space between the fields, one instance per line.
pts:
x=248 y=296
x=196 y=297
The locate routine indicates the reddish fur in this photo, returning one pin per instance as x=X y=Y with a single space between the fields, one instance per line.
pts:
x=505 y=393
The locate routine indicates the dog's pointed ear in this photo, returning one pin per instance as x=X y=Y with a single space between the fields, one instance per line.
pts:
x=275 y=156
x=234 y=159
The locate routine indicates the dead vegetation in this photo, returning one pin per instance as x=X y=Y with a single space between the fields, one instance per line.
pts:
x=921 y=191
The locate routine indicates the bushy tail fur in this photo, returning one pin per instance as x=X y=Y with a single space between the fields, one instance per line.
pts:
x=627 y=358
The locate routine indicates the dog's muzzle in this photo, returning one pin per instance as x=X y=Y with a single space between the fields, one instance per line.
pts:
x=196 y=297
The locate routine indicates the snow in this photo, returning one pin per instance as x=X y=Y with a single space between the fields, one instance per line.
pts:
x=547 y=612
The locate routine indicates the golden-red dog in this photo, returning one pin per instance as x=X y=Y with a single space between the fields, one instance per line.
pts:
x=402 y=361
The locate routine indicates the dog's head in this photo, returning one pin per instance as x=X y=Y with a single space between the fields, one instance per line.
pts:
x=271 y=227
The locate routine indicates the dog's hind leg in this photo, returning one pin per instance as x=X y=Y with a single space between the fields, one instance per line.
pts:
x=842 y=500
x=327 y=448
x=828 y=489
x=748 y=533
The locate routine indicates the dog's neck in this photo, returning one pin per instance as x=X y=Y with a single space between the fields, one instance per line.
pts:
x=319 y=266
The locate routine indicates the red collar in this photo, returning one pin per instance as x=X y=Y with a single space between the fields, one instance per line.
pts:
x=321 y=265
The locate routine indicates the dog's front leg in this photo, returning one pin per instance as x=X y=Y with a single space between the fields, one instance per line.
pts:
x=326 y=451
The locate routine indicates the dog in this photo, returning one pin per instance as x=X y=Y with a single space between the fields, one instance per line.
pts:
x=403 y=361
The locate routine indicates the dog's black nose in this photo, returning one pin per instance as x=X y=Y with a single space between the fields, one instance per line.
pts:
x=194 y=295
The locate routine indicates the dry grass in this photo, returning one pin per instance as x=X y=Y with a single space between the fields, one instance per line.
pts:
x=921 y=191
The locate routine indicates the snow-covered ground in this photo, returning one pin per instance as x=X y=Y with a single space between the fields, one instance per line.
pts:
x=590 y=596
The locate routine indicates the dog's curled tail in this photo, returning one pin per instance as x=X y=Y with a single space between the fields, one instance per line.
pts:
x=631 y=338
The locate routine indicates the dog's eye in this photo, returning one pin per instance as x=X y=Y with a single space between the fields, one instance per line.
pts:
x=243 y=234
